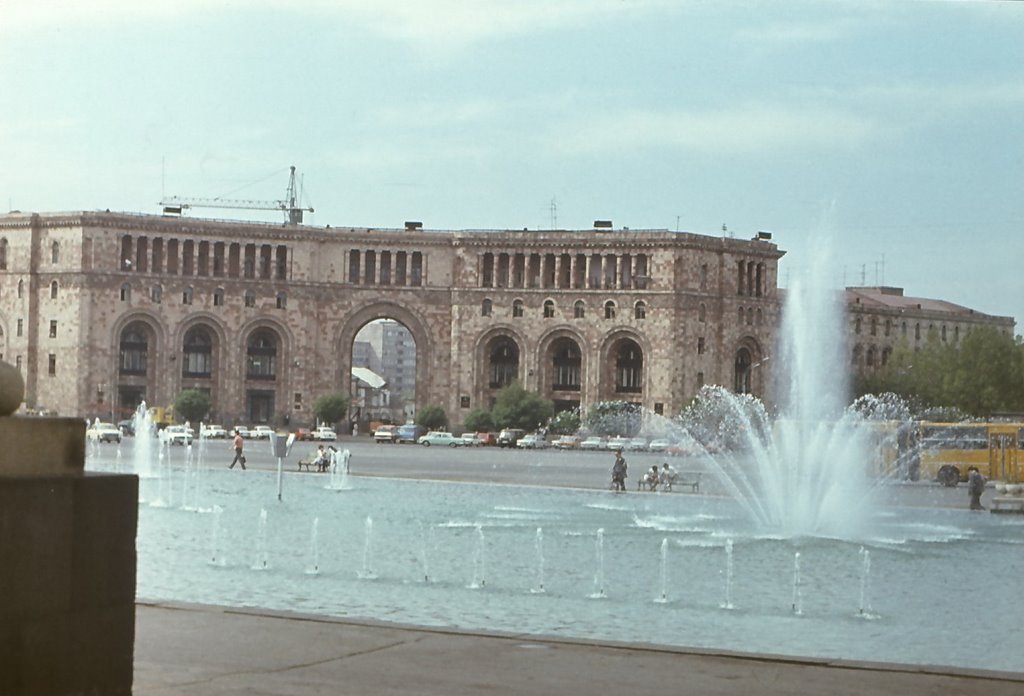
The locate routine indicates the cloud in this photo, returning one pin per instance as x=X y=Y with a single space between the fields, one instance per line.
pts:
x=744 y=129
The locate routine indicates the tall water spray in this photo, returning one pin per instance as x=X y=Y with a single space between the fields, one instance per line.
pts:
x=802 y=471
x=142 y=442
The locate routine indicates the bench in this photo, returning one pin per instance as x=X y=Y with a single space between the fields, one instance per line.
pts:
x=321 y=465
x=679 y=478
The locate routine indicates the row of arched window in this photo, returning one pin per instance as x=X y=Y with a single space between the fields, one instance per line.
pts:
x=566 y=364
x=203 y=258
x=870 y=356
x=385 y=267
x=751 y=279
x=156 y=295
x=579 y=309
x=197 y=352
x=564 y=271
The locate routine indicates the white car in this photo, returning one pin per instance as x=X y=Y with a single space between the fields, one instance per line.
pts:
x=440 y=438
x=213 y=432
x=637 y=444
x=243 y=431
x=471 y=440
x=594 y=442
x=262 y=432
x=617 y=443
x=532 y=442
x=176 y=435
x=659 y=445
x=324 y=433
x=103 y=432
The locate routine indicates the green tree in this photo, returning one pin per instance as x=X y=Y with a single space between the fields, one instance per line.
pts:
x=517 y=408
x=331 y=408
x=614 y=418
x=566 y=422
x=479 y=421
x=192 y=405
x=432 y=417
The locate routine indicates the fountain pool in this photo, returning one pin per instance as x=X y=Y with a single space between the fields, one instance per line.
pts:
x=674 y=569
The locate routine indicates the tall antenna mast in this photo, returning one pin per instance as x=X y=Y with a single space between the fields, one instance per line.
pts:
x=554 y=213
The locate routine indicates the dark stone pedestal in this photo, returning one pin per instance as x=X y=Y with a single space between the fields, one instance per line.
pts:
x=67 y=584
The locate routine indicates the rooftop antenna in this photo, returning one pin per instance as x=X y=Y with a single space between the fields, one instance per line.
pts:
x=554 y=213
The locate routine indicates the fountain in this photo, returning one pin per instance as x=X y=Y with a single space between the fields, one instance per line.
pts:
x=784 y=563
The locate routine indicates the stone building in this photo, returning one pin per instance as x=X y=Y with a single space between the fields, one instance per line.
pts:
x=880 y=318
x=103 y=310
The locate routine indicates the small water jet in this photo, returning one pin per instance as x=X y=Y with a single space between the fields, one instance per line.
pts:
x=479 y=574
x=598 y=592
x=664 y=572
x=727 y=601
x=262 y=561
x=539 y=545
x=367 y=572
x=314 y=547
x=798 y=601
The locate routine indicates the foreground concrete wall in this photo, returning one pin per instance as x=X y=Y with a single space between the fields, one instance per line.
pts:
x=67 y=567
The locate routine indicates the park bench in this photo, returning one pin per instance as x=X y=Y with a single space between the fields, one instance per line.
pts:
x=309 y=462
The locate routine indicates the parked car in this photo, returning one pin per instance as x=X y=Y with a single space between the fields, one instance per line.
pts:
x=567 y=442
x=303 y=434
x=637 y=444
x=617 y=443
x=532 y=441
x=439 y=438
x=262 y=432
x=127 y=427
x=509 y=437
x=386 y=434
x=594 y=442
x=103 y=432
x=471 y=440
x=659 y=445
x=243 y=431
x=213 y=432
x=409 y=433
x=176 y=435
x=324 y=433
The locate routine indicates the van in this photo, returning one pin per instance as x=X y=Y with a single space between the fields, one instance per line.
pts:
x=409 y=433
x=509 y=437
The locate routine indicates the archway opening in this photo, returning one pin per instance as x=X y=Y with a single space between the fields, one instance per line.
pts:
x=382 y=384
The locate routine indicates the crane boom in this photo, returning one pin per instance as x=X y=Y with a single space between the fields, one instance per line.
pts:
x=174 y=205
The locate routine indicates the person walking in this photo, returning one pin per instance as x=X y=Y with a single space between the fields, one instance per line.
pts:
x=975 y=487
x=619 y=473
x=237 y=444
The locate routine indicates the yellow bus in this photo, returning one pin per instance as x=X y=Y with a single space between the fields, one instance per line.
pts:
x=947 y=450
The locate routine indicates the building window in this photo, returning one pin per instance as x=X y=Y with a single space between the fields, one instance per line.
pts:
x=53 y=290
x=21 y=289
x=609 y=310
x=186 y=296
x=197 y=353
x=156 y=293
x=629 y=368
x=486 y=307
x=134 y=350
x=700 y=346
x=567 y=365
x=126 y=292
x=702 y=313
x=856 y=325
x=917 y=331
x=282 y=300
x=700 y=380
x=504 y=362
x=703 y=277
x=218 y=297
x=21 y=327
x=578 y=309
x=874 y=326
x=250 y=298
x=549 y=309
x=640 y=310
x=3 y=253
x=53 y=328
x=52 y=364
x=55 y=252
x=262 y=355
x=517 y=308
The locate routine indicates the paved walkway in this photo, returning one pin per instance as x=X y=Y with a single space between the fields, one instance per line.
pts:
x=212 y=651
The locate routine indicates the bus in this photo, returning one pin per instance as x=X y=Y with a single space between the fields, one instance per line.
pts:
x=947 y=450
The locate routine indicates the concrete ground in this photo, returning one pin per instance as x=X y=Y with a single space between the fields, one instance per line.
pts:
x=214 y=651
x=206 y=650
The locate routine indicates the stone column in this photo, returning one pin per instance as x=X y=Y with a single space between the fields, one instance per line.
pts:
x=67 y=578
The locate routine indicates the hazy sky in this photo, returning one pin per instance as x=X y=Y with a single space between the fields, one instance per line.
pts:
x=896 y=126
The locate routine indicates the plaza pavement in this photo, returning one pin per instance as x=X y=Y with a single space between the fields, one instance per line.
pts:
x=201 y=650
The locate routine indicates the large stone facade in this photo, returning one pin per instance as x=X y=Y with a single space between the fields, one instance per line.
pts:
x=102 y=310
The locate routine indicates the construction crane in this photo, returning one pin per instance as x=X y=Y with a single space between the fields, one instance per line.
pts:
x=175 y=205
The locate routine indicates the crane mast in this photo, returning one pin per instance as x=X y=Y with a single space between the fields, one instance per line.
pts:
x=175 y=205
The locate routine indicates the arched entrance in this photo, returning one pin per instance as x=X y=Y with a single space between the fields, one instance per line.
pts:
x=136 y=366
x=383 y=385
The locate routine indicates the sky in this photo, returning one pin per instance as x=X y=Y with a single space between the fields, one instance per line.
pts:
x=894 y=129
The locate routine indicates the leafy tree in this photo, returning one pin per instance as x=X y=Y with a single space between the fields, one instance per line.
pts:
x=432 y=417
x=517 y=408
x=192 y=405
x=331 y=408
x=479 y=421
x=566 y=422
x=614 y=418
